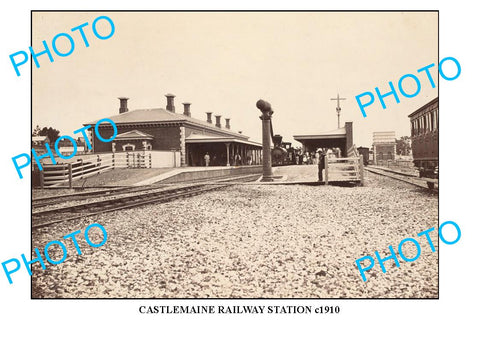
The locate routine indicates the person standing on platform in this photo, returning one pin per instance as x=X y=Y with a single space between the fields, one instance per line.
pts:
x=207 y=159
x=317 y=157
x=321 y=166
x=238 y=159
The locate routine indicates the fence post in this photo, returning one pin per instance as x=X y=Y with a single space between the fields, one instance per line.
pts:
x=70 y=184
x=326 y=170
x=81 y=168
x=42 y=179
x=360 y=159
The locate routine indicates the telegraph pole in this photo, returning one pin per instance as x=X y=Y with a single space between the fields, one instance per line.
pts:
x=338 y=107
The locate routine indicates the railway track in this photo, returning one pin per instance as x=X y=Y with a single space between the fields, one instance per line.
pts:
x=52 y=200
x=407 y=178
x=138 y=197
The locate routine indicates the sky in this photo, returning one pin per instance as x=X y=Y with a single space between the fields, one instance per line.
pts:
x=224 y=62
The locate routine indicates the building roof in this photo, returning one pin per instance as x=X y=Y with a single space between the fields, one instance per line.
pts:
x=337 y=133
x=133 y=135
x=160 y=115
x=384 y=137
x=198 y=138
x=434 y=100
x=39 y=138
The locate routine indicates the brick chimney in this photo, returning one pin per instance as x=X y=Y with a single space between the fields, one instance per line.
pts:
x=170 y=105
x=209 y=117
x=227 y=123
x=186 y=109
x=123 y=105
x=217 y=121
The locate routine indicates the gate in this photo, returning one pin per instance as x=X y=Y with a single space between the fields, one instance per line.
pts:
x=348 y=169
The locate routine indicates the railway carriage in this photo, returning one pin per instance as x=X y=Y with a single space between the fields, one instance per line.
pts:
x=424 y=132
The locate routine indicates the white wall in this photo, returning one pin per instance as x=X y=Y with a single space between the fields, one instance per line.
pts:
x=165 y=159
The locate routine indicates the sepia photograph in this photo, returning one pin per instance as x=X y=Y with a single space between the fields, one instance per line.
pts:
x=234 y=154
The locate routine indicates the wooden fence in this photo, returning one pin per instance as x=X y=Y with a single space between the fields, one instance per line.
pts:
x=344 y=169
x=61 y=174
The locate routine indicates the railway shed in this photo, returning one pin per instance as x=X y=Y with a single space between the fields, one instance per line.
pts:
x=340 y=138
x=159 y=130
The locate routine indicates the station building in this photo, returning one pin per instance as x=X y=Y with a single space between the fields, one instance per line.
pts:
x=188 y=138
x=340 y=138
x=38 y=144
x=384 y=146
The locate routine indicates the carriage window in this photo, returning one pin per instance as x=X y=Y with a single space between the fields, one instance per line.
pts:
x=412 y=127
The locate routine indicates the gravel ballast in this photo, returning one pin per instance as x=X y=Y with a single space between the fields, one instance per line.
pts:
x=252 y=241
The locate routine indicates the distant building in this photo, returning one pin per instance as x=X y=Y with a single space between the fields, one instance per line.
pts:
x=164 y=130
x=66 y=148
x=384 y=146
x=38 y=144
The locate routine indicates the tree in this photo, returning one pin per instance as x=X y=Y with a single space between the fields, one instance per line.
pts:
x=51 y=133
x=403 y=146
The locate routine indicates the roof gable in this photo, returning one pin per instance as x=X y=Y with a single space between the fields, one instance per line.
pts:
x=134 y=134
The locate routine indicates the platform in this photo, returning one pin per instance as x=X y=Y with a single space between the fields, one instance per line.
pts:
x=200 y=173
x=295 y=174
x=304 y=174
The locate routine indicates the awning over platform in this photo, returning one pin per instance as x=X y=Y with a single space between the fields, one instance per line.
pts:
x=197 y=138
x=222 y=150
x=338 y=133
x=340 y=138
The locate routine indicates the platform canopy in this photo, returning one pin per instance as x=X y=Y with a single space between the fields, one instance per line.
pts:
x=339 y=138
x=221 y=149
x=198 y=138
